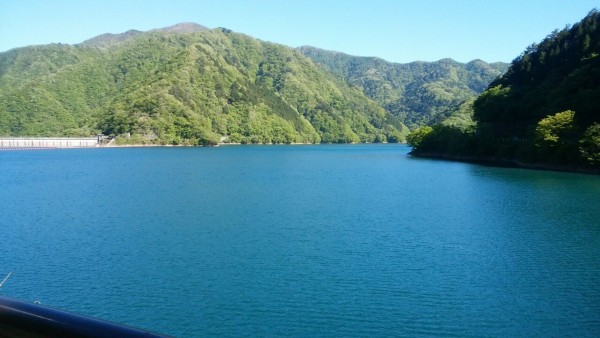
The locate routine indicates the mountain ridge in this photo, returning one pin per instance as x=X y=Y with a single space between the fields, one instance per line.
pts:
x=395 y=62
x=189 y=84
x=182 y=86
x=109 y=38
x=542 y=113
x=182 y=27
x=418 y=92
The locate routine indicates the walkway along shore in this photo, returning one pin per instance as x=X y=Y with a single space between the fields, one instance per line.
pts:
x=7 y=143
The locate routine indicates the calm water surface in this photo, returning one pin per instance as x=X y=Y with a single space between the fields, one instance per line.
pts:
x=301 y=241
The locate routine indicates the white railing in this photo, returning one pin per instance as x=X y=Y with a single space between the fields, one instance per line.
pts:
x=49 y=142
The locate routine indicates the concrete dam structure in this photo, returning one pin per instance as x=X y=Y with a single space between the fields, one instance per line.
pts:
x=49 y=142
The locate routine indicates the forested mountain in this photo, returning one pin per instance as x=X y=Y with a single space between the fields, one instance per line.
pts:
x=184 y=85
x=543 y=111
x=417 y=92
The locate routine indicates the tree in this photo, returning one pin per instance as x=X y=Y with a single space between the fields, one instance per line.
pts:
x=555 y=137
x=589 y=145
x=418 y=135
x=553 y=130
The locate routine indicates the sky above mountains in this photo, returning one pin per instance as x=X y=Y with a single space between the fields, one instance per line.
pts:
x=395 y=30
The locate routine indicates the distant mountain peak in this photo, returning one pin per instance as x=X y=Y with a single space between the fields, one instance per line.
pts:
x=183 y=27
x=109 y=38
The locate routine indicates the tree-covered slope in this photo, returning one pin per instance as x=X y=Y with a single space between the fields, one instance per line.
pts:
x=183 y=85
x=543 y=111
x=417 y=92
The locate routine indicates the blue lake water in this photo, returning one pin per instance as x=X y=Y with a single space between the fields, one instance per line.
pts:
x=327 y=240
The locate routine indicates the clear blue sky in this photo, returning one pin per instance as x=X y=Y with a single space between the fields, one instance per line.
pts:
x=395 y=30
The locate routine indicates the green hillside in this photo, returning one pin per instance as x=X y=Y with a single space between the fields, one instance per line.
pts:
x=184 y=85
x=542 y=112
x=417 y=92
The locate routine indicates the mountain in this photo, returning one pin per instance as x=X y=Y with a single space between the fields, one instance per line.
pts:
x=184 y=84
x=417 y=92
x=184 y=27
x=543 y=112
x=109 y=39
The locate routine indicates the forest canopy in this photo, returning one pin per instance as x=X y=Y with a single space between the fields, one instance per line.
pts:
x=175 y=87
x=543 y=110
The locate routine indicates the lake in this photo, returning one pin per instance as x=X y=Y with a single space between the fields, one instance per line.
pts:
x=315 y=240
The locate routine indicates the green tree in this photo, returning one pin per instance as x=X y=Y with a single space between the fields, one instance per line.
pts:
x=554 y=130
x=589 y=145
x=416 y=137
x=556 y=139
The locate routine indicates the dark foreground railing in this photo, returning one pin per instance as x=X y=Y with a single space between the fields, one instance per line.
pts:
x=21 y=319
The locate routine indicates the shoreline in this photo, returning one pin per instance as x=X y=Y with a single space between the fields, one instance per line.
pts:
x=508 y=163
x=106 y=146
